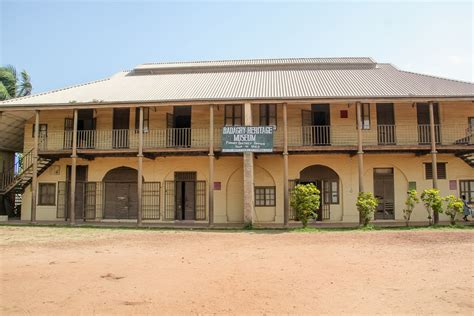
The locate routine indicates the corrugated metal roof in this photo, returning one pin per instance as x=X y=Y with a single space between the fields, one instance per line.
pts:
x=242 y=83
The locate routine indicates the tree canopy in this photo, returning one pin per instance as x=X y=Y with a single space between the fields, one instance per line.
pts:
x=12 y=85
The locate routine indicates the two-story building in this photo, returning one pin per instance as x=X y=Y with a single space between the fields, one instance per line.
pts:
x=145 y=145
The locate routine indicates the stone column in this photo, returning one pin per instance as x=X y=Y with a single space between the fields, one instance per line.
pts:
x=249 y=194
x=34 y=180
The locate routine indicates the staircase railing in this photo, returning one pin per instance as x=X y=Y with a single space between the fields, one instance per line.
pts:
x=13 y=172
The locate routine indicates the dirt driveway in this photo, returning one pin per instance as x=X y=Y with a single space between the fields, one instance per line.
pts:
x=105 y=271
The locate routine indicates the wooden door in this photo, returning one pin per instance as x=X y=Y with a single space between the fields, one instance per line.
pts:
x=169 y=130
x=81 y=180
x=182 y=126
x=185 y=200
x=306 y=123
x=43 y=136
x=117 y=203
x=121 y=200
x=321 y=121
x=68 y=127
x=121 y=126
x=86 y=125
x=423 y=119
x=319 y=211
x=121 y=196
x=385 y=193
x=385 y=124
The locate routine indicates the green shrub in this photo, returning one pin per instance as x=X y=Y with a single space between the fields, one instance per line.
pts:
x=305 y=201
x=410 y=203
x=433 y=202
x=366 y=205
x=454 y=206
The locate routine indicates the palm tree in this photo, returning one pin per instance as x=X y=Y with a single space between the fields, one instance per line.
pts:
x=11 y=86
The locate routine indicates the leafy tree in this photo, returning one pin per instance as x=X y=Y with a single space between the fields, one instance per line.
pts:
x=305 y=199
x=11 y=86
x=454 y=206
x=366 y=205
x=410 y=203
x=433 y=202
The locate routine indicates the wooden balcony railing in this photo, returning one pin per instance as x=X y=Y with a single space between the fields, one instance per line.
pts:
x=386 y=134
x=302 y=136
x=424 y=134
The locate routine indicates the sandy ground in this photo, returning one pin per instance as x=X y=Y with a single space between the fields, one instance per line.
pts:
x=105 y=271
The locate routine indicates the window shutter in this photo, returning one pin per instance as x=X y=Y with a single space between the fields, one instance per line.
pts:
x=441 y=168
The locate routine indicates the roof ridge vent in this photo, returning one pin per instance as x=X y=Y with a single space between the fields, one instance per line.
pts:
x=256 y=65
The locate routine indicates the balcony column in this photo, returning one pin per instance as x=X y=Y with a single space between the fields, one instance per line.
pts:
x=140 y=168
x=434 y=152
x=34 y=180
x=286 y=196
x=211 y=165
x=72 y=199
x=360 y=151
x=249 y=196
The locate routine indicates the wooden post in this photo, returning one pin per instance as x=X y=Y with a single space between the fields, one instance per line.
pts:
x=434 y=158
x=360 y=151
x=249 y=208
x=34 y=180
x=140 y=168
x=286 y=197
x=72 y=200
x=211 y=165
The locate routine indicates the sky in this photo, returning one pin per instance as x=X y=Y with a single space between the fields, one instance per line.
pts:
x=62 y=43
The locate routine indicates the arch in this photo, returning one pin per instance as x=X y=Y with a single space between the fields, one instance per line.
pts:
x=121 y=174
x=235 y=196
x=263 y=177
x=318 y=172
x=121 y=195
x=329 y=184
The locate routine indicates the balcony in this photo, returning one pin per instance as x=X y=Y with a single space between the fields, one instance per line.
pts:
x=123 y=139
x=326 y=138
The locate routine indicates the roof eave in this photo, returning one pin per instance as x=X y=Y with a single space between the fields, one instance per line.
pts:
x=111 y=104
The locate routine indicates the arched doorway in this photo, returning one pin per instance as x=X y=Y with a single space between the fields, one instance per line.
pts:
x=121 y=196
x=327 y=181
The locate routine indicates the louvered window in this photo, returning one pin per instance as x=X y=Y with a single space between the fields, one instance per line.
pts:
x=441 y=167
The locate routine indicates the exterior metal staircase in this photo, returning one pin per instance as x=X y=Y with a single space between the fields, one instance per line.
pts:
x=17 y=177
x=468 y=158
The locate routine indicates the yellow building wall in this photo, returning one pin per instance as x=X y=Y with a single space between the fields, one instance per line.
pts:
x=269 y=168
x=269 y=172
